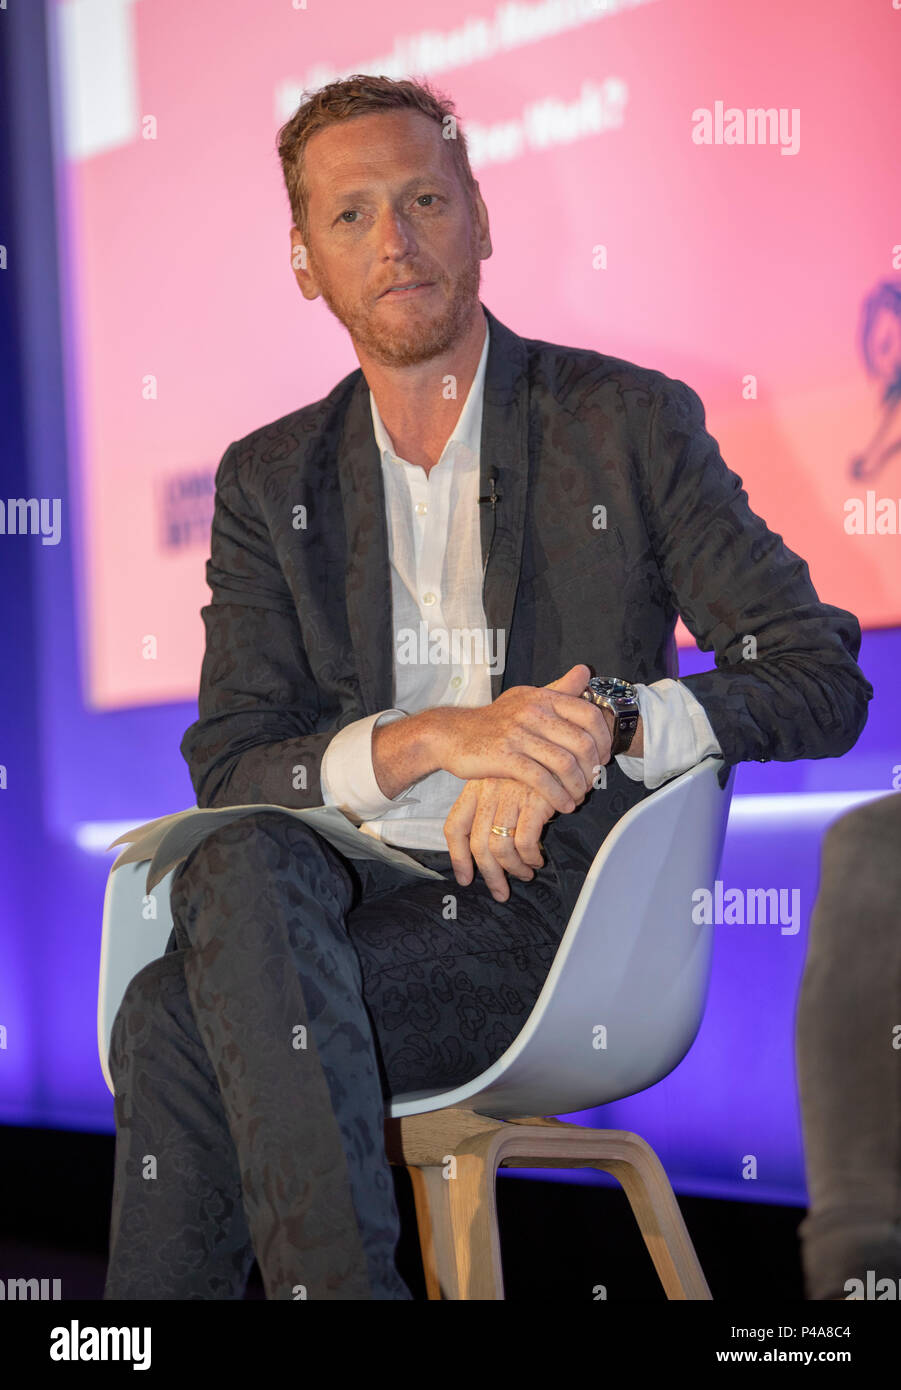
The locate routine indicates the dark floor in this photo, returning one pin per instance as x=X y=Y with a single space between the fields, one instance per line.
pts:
x=559 y=1240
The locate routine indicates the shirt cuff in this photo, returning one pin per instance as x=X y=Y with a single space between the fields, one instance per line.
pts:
x=677 y=734
x=346 y=775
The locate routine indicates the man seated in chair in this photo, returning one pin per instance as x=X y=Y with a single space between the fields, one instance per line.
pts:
x=414 y=583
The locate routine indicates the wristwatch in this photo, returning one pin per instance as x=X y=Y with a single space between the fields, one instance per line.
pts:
x=620 y=697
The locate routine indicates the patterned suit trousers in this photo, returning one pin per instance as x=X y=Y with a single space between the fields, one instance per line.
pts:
x=252 y=1061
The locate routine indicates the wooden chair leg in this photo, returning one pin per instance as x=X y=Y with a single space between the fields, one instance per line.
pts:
x=628 y=1158
x=456 y=1204
x=436 y=1242
x=456 y=1212
x=426 y=1144
x=653 y=1201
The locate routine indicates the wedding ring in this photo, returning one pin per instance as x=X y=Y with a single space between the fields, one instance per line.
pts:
x=502 y=830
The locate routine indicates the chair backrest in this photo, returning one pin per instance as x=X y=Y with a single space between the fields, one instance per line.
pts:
x=625 y=996
x=136 y=928
x=623 y=1000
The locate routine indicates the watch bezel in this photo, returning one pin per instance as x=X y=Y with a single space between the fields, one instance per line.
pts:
x=621 y=698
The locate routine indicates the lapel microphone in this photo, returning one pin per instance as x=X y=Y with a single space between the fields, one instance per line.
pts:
x=493 y=497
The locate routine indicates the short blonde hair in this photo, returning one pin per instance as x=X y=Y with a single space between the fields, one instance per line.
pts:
x=358 y=96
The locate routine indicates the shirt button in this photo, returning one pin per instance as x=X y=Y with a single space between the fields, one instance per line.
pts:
x=428 y=598
x=421 y=508
x=457 y=682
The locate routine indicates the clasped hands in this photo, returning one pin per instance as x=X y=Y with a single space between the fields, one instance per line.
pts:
x=553 y=742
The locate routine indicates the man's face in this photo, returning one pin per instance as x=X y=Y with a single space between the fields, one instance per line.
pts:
x=386 y=206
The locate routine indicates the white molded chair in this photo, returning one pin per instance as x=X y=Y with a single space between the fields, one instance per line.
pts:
x=620 y=1008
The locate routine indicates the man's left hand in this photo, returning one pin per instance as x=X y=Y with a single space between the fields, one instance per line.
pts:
x=488 y=801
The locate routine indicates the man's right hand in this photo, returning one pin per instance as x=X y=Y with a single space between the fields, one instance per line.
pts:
x=546 y=737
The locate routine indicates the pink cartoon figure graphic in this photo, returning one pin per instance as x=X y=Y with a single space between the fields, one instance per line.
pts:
x=880 y=345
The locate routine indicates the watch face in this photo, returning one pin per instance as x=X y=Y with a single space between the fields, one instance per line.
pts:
x=610 y=685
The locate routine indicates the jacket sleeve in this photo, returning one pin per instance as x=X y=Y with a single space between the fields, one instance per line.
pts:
x=256 y=738
x=793 y=691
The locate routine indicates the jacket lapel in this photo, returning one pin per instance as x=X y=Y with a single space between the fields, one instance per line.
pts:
x=368 y=570
x=503 y=453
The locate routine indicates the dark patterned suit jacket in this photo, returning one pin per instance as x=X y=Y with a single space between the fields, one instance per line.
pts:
x=299 y=637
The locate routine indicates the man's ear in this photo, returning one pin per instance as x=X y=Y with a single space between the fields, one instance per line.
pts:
x=305 y=278
x=484 y=233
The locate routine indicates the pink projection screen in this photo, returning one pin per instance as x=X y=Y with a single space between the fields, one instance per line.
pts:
x=705 y=188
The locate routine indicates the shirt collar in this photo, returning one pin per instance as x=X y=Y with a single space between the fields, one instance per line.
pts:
x=468 y=429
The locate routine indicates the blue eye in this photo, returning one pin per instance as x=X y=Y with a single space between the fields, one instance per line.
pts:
x=352 y=212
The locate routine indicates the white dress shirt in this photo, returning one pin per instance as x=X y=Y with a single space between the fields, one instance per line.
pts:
x=436 y=587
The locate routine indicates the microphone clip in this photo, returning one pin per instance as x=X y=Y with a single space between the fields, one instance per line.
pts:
x=493 y=497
